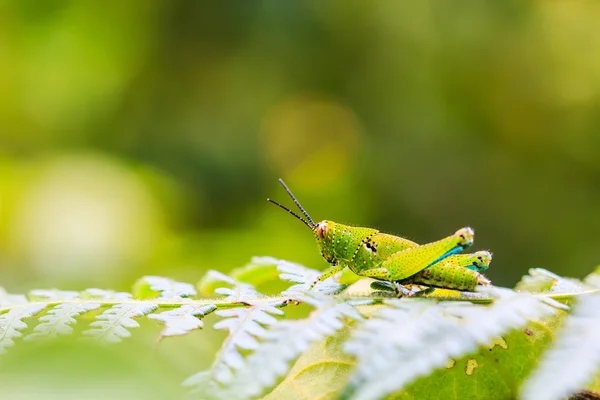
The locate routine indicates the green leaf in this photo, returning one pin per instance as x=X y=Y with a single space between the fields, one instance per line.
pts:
x=319 y=373
x=493 y=371
x=397 y=337
x=260 y=270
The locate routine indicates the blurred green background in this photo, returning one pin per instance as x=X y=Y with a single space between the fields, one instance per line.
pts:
x=142 y=137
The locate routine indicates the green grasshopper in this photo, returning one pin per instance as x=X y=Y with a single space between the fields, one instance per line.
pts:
x=370 y=253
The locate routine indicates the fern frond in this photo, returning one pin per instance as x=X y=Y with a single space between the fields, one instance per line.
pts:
x=304 y=277
x=182 y=320
x=11 y=322
x=574 y=358
x=113 y=324
x=286 y=340
x=413 y=337
x=404 y=339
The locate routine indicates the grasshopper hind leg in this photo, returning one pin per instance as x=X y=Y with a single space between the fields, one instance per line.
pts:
x=403 y=291
x=425 y=291
x=399 y=289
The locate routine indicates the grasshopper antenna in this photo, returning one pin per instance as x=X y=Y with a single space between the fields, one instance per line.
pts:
x=297 y=202
x=293 y=213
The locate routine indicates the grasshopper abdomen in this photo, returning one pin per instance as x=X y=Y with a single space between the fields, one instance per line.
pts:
x=459 y=272
x=448 y=277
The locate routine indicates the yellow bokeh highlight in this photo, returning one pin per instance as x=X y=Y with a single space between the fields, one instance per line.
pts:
x=311 y=140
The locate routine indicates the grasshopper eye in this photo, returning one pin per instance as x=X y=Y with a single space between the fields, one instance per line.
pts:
x=322 y=229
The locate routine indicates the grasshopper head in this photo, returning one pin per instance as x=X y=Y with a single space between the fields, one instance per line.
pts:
x=335 y=240
x=481 y=260
x=324 y=235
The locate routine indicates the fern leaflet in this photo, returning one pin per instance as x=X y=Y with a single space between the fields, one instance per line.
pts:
x=182 y=320
x=57 y=320
x=111 y=326
x=245 y=326
x=165 y=288
x=240 y=291
x=11 y=322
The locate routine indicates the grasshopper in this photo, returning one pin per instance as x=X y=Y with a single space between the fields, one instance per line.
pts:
x=370 y=253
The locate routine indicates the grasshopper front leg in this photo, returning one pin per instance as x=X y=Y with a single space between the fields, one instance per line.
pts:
x=334 y=269
x=377 y=273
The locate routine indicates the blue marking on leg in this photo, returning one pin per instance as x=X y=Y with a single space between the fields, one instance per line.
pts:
x=476 y=268
x=455 y=250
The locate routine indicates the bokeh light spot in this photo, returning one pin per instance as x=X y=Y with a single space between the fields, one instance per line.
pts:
x=84 y=216
x=310 y=139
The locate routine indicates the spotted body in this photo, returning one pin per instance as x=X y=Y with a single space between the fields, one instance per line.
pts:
x=370 y=253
